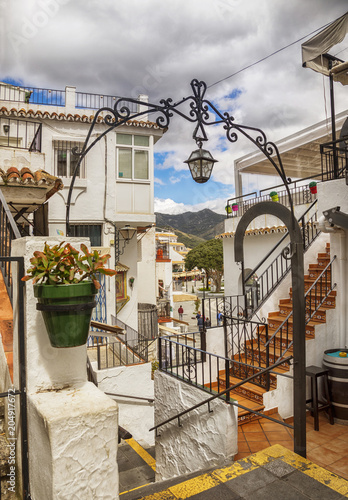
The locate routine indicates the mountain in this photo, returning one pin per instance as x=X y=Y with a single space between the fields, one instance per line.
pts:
x=204 y=224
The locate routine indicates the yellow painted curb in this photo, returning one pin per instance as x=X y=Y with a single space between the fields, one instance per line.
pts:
x=142 y=453
x=205 y=482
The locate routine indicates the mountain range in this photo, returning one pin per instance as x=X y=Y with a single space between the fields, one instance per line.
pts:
x=192 y=228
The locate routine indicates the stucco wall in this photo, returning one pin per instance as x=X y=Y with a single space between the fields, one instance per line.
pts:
x=134 y=415
x=204 y=439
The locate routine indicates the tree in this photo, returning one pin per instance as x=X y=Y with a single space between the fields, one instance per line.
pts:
x=207 y=256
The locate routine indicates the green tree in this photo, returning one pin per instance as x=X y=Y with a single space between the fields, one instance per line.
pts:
x=207 y=256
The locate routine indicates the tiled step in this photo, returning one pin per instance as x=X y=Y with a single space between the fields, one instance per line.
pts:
x=329 y=302
x=320 y=315
x=280 y=341
x=257 y=351
x=274 y=322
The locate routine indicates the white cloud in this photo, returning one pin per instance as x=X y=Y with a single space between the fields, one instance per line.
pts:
x=156 y=48
x=159 y=181
x=169 y=206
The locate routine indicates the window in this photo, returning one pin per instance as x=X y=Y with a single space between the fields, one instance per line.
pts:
x=91 y=231
x=133 y=156
x=65 y=161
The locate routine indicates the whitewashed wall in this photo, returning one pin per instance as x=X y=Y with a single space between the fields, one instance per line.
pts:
x=147 y=286
x=134 y=415
x=205 y=439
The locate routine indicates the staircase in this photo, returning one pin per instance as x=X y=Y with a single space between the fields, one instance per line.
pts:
x=251 y=395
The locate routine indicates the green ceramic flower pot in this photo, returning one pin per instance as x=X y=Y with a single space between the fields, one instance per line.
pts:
x=67 y=311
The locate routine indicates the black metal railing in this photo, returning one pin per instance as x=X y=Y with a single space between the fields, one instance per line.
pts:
x=300 y=192
x=233 y=305
x=225 y=395
x=8 y=232
x=281 y=340
x=334 y=159
x=32 y=95
x=97 y=101
x=51 y=97
x=244 y=345
x=121 y=352
x=20 y=134
x=259 y=288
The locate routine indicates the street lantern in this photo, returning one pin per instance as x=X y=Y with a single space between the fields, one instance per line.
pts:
x=127 y=232
x=201 y=165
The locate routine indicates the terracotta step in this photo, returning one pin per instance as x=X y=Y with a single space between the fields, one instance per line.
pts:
x=275 y=322
x=319 y=316
x=329 y=302
x=256 y=351
x=280 y=341
x=243 y=415
x=312 y=302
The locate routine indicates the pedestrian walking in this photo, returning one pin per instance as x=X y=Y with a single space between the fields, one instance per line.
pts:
x=219 y=318
x=208 y=323
x=198 y=315
x=181 y=313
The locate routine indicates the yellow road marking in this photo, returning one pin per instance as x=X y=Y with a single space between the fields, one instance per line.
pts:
x=207 y=481
x=142 y=453
x=133 y=489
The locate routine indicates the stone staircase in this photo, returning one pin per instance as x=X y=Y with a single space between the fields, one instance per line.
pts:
x=251 y=395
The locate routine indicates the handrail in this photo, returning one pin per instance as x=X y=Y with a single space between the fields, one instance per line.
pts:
x=277 y=245
x=150 y=400
x=307 y=293
x=222 y=393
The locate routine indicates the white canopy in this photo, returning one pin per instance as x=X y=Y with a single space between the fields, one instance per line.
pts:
x=314 y=50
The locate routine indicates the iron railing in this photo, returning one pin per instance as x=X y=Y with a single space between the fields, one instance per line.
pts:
x=225 y=395
x=259 y=288
x=317 y=293
x=51 y=97
x=334 y=159
x=121 y=352
x=20 y=134
x=244 y=346
x=234 y=305
x=299 y=190
x=96 y=101
x=8 y=232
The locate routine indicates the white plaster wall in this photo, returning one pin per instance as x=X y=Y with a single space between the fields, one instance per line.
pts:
x=134 y=415
x=129 y=313
x=205 y=439
x=147 y=269
x=20 y=158
x=75 y=432
x=48 y=367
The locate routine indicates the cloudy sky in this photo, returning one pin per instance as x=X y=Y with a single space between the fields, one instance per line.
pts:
x=153 y=47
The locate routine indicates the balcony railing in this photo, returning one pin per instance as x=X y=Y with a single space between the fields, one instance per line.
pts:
x=334 y=159
x=51 y=97
x=20 y=134
x=300 y=192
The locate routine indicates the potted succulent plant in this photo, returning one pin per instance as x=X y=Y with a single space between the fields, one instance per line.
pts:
x=274 y=196
x=313 y=187
x=65 y=284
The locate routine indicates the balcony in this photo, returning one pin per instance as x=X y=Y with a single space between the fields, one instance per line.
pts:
x=20 y=134
x=162 y=252
x=51 y=97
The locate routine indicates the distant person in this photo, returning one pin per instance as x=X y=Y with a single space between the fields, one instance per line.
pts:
x=208 y=323
x=219 y=318
x=181 y=313
x=198 y=315
x=200 y=323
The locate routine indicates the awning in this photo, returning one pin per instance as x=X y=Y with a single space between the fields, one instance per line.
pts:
x=314 y=51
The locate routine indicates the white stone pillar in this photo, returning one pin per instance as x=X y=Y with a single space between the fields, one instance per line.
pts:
x=70 y=99
x=142 y=107
x=72 y=425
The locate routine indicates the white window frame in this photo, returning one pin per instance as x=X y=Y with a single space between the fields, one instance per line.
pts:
x=133 y=148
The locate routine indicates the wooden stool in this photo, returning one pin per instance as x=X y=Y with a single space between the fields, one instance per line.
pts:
x=315 y=372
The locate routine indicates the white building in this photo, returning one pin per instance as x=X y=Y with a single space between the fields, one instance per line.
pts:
x=114 y=188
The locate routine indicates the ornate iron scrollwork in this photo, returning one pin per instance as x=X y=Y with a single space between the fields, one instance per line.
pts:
x=189 y=365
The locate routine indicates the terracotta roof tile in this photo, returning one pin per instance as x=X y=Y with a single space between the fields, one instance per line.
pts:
x=69 y=117
x=256 y=231
x=26 y=176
